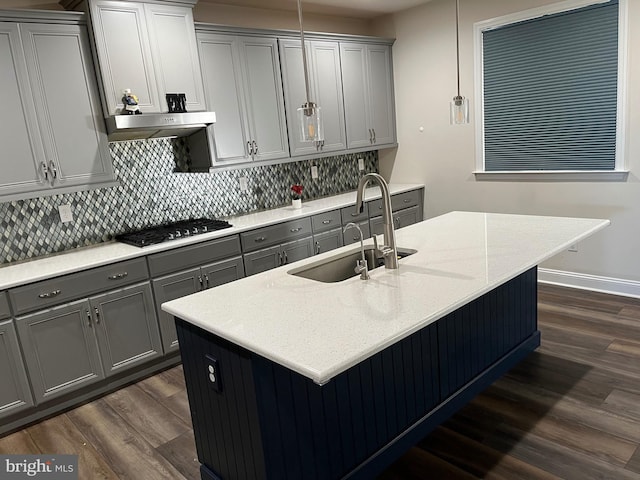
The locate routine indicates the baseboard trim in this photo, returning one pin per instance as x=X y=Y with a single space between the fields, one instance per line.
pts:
x=615 y=286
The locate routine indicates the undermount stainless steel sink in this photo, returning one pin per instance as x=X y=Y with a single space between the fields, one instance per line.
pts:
x=342 y=266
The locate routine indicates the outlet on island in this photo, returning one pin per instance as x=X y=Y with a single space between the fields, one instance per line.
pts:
x=213 y=373
x=314 y=172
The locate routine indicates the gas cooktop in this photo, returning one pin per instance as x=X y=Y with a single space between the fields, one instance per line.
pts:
x=172 y=231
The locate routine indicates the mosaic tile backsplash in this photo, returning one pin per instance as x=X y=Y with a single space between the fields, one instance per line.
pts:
x=150 y=193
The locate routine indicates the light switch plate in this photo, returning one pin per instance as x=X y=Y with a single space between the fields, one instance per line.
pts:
x=314 y=172
x=360 y=164
x=65 y=213
x=244 y=185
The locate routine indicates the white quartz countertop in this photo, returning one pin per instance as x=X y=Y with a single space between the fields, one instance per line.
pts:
x=321 y=329
x=42 y=268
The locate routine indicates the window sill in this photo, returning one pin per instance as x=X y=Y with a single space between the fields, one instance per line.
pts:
x=555 y=176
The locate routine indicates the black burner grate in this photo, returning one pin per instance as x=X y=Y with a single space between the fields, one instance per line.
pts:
x=172 y=231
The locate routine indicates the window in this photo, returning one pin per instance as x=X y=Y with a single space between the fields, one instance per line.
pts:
x=550 y=91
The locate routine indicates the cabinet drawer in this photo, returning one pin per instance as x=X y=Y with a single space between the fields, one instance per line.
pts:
x=61 y=289
x=275 y=234
x=325 y=221
x=398 y=202
x=193 y=255
x=349 y=214
x=4 y=306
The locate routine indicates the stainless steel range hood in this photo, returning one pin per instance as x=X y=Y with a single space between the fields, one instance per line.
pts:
x=157 y=125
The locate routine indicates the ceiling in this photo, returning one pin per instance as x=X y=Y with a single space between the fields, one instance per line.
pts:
x=350 y=8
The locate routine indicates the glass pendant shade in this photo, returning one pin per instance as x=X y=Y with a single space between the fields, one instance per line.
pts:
x=459 y=110
x=310 y=119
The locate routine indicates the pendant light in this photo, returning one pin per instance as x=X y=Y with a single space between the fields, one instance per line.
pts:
x=309 y=113
x=459 y=108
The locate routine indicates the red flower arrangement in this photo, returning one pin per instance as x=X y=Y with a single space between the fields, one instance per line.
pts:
x=296 y=191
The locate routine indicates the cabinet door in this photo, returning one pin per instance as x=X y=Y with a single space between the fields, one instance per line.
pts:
x=264 y=98
x=169 y=288
x=222 y=76
x=15 y=394
x=376 y=225
x=262 y=260
x=126 y=327
x=381 y=107
x=356 y=97
x=297 y=250
x=326 y=90
x=175 y=54
x=406 y=217
x=223 y=272
x=124 y=54
x=22 y=151
x=67 y=104
x=60 y=349
x=323 y=242
x=352 y=235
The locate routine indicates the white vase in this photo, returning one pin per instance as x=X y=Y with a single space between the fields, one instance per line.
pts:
x=296 y=203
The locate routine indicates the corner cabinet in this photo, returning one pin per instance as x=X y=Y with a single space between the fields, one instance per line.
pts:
x=326 y=90
x=243 y=86
x=367 y=80
x=15 y=394
x=148 y=48
x=52 y=123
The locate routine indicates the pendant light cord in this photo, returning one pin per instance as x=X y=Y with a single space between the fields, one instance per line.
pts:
x=457 y=42
x=304 y=52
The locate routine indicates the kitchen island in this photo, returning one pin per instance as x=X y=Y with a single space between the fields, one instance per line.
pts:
x=288 y=377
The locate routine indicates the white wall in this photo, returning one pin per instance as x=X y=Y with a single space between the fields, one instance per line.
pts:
x=443 y=155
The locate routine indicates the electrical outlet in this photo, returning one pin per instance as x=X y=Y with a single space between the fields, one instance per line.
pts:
x=314 y=172
x=361 y=164
x=244 y=184
x=573 y=248
x=65 y=213
x=213 y=373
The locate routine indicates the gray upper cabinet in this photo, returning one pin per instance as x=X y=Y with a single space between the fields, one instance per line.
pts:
x=15 y=394
x=243 y=86
x=148 y=48
x=325 y=89
x=52 y=125
x=368 y=94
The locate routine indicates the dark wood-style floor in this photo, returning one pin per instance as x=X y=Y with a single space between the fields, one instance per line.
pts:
x=571 y=410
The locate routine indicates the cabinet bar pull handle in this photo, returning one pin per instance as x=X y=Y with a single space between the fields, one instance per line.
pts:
x=54 y=170
x=200 y=281
x=88 y=318
x=249 y=149
x=280 y=259
x=45 y=170
x=317 y=248
x=286 y=260
x=406 y=200
x=326 y=222
x=50 y=294
x=118 y=276
x=259 y=239
x=294 y=230
x=97 y=312
x=374 y=135
x=255 y=147
x=206 y=281
x=370 y=136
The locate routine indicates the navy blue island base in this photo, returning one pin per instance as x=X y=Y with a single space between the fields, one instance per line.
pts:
x=263 y=421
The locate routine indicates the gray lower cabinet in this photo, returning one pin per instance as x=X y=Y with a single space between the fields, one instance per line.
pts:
x=15 y=394
x=401 y=218
x=181 y=284
x=79 y=343
x=4 y=306
x=352 y=235
x=326 y=241
x=276 y=256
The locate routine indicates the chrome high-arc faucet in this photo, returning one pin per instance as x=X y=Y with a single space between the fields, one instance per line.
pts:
x=388 y=251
